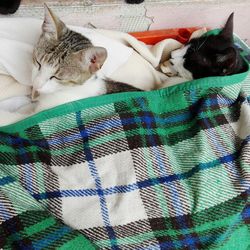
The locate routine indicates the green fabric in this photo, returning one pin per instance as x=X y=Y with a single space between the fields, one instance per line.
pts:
x=165 y=169
x=25 y=224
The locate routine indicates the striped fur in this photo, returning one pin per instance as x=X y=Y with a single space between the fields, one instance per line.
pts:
x=65 y=57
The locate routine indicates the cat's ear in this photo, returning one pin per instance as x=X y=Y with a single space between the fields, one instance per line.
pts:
x=96 y=57
x=93 y=57
x=227 y=31
x=52 y=25
x=226 y=58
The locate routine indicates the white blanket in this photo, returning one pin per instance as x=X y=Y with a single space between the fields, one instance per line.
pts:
x=128 y=61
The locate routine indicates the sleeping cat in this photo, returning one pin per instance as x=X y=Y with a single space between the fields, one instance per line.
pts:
x=62 y=60
x=211 y=55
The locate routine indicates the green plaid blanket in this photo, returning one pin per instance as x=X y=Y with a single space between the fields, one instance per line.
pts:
x=166 y=169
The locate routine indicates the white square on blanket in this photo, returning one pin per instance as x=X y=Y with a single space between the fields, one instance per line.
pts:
x=79 y=210
x=82 y=212
x=125 y=208
x=75 y=177
x=116 y=170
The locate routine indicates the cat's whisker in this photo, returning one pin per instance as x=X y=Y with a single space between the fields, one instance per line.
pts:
x=193 y=49
x=202 y=44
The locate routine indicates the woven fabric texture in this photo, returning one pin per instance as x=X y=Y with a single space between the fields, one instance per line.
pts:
x=165 y=169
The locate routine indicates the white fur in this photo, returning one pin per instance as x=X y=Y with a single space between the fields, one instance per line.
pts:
x=49 y=87
x=181 y=52
x=95 y=86
x=49 y=98
x=175 y=65
x=41 y=79
x=168 y=69
x=13 y=104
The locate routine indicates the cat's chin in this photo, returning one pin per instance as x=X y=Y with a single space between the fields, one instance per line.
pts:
x=49 y=87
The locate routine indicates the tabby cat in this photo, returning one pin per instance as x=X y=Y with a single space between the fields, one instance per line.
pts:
x=62 y=59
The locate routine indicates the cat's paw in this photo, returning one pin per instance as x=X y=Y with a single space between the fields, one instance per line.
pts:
x=168 y=69
x=13 y=104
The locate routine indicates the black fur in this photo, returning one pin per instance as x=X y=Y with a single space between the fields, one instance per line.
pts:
x=134 y=1
x=117 y=87
x=214 y=55
x=9 y=6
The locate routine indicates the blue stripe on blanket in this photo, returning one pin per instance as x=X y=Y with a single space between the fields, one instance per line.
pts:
x=94 y=173
x=141 y=184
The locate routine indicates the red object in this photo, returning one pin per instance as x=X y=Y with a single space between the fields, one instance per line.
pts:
x=152 y=37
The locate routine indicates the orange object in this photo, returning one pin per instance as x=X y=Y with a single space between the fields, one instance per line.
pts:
x=152 y=37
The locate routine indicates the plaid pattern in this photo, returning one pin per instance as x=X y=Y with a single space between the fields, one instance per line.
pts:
x=24 y=224
x=167 y=169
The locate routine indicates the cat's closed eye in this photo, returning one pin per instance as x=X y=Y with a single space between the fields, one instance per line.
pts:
x=55 y=77
x=37 y=63
x=61 y=80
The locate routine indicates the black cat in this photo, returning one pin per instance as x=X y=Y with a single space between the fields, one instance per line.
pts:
x=9 y=6
x=211 y=55
x=214 y=55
